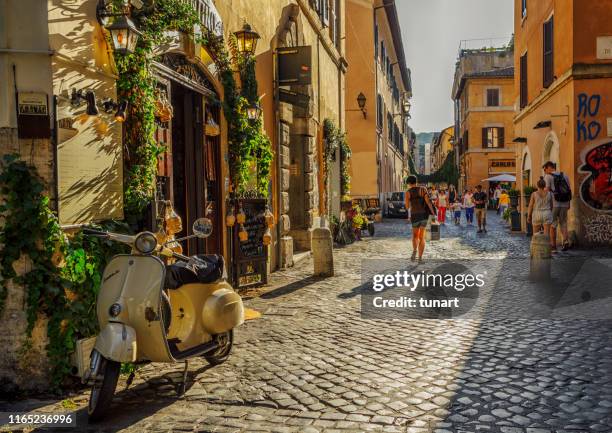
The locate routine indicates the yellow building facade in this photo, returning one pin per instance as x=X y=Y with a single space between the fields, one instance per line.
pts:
x=483 y=93
x=563 y=89
x=441 y=147
x=379 y=134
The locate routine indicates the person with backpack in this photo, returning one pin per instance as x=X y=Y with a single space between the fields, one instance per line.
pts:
x=421 y=208
x=559 y=185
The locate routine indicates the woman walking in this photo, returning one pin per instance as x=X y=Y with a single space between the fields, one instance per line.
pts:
x=540 y=208
x=420 y=206
x=442 y=204
x=468 y=204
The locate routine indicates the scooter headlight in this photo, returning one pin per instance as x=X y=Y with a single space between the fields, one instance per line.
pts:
x=114 y=310
x=145 y=243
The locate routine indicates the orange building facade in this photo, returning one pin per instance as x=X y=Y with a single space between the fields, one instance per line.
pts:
x=563 y=100
x=483 y=92
x=379 y=136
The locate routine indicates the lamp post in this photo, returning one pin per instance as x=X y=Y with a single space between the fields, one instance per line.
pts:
x=247 y=40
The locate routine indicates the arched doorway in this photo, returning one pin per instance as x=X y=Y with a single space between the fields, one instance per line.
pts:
x=551 y=148
x=298 y=179
x=189 y=171
x=526 y=167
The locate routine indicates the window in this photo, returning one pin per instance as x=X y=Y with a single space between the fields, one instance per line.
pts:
x=379 y=112
x=383 y=53
x=492 y=138
x=549 y=73
x=523 y=8
x=492 y=97
x=376 y=40
x=465 y=142
x=523 y=78
x=390 y=127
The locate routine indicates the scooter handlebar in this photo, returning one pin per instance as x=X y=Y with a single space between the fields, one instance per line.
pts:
x=93 y=232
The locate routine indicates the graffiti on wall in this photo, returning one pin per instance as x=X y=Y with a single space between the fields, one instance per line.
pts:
x=598 y=229
x=588 y=129
x=596 y=188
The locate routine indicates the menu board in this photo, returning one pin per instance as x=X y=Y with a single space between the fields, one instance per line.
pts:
x=251 y=255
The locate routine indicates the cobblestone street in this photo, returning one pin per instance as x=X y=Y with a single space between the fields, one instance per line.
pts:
x=310 y=363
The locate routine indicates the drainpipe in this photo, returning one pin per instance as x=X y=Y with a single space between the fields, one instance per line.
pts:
x=277 y=122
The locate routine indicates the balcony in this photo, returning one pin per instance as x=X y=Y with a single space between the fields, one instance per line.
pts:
x=209 y=16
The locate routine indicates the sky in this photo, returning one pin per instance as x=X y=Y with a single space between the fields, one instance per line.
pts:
x=432 y=31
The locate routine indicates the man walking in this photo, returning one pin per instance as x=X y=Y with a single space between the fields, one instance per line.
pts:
x=559 y=185
x=480 y=200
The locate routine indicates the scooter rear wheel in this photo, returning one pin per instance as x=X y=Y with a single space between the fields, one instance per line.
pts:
x=102 y=392
x=221 y=355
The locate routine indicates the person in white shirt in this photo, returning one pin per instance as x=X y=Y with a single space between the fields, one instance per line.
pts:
x=468 y=204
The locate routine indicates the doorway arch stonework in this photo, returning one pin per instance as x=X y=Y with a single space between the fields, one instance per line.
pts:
x=298 y=174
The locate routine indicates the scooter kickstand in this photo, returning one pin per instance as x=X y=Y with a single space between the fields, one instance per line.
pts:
x=182 y=386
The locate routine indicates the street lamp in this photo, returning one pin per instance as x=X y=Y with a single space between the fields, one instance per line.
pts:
x=407 y=106
x=361 y=102
x=253 y=111
x=124 y=34
x=247 y=40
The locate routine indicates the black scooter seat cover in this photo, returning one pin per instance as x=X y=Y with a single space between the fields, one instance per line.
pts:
x=203 y=268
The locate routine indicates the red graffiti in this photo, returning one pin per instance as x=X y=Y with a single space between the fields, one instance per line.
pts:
x=596 y=190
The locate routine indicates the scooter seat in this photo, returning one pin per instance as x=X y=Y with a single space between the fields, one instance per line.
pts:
x=203 y=268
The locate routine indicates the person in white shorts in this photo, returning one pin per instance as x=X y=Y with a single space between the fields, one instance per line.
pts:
x=540 y=208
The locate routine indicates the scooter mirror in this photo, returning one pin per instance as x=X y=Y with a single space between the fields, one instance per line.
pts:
x=202 y=227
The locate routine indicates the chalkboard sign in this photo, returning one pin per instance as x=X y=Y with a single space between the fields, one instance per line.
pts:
x=250 y=256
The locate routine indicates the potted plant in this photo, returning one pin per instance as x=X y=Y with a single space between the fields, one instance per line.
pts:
x=527 y=191
x=514 y=197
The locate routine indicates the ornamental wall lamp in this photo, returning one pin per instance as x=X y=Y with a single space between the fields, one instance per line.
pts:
x=78 y=96
x=361 y=103
x=120 y=107
x=247 y=40
x=253 y=111
x=124 y=32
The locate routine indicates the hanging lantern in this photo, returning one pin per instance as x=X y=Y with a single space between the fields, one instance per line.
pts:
x=253 y=111
x=243 y=235
x=241 y=217
x=247 y=40
x=267 y=237
x=174 y=224
x=124 y=34
x=230 y=218
x=269 y=218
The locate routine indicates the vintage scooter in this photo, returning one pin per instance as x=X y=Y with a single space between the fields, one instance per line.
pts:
x=142 y=320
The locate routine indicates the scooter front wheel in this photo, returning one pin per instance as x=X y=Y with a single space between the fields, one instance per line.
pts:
x=226 y=342
x=103 y=390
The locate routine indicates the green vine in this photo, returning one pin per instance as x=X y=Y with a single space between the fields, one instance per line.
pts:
x=136 y=84
x=63 y=279
x=335 y=140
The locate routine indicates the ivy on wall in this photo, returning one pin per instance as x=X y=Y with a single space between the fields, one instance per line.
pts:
x=62 y=278
x=335 y=140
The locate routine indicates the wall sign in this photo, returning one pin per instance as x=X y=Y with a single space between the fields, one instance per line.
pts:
x=604 y=47
x=33 y=115
x=294 y=65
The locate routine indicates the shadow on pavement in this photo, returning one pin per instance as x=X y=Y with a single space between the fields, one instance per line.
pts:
x=290 y=288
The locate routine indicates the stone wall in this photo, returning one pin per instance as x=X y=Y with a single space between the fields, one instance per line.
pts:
x=23 y=362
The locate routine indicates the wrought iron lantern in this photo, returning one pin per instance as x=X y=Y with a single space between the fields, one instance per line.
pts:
x=247 y=40
x=124 y=34
x=253 y=111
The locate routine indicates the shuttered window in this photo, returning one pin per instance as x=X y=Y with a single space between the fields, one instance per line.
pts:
x=524 y=83
x=492 y=138
x=549 y=73
x=379 y=112
x=492 y=97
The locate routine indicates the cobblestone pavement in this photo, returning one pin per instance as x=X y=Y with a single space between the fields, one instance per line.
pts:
x=312 y=364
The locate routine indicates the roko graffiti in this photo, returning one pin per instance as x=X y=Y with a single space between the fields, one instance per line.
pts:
x=588 y=106
x=596 y=188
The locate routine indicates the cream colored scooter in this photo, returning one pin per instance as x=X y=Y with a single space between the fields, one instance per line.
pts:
x=141 y=320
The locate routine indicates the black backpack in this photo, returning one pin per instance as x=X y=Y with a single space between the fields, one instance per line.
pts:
x=562 y=191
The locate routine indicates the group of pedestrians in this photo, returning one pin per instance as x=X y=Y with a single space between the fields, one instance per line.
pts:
x=474 y=202
x=548 y=207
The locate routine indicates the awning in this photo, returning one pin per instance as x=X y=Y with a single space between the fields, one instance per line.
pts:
x=501 y=178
